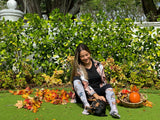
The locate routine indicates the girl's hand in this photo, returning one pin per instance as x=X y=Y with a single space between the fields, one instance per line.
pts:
x=99 y=97
x=102 y=98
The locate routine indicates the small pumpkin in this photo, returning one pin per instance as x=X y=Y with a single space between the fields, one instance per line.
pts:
x=134 y=97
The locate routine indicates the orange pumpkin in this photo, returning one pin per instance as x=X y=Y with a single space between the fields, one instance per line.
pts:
x=134 y=97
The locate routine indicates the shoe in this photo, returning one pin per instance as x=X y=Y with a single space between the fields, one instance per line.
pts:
x=115 y=114
x=85 y=112
x=73 y=101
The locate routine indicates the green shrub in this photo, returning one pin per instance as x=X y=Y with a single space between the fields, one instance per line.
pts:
x=143 y=74
x=51 y=41
x=38 y=80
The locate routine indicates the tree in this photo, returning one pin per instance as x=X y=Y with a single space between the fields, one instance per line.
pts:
x=137 y=10
x=46 y=6
x=2 y=4
x=113 y=8
x=150 y=10
x=30 y=6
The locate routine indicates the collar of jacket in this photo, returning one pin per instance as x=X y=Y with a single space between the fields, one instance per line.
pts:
x=96 y=63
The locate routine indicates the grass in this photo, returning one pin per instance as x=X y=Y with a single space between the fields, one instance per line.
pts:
x=70 y=111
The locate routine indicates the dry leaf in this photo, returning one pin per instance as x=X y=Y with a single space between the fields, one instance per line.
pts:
x=147 y=103
x=19 y=104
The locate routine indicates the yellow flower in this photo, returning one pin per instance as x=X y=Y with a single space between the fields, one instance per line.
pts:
x=82 y=20
x=150 y=32
x=80 y=41
x=28 y=22
x=25 y=18
x=127 y=19
x=27 y=60
x=75 y=20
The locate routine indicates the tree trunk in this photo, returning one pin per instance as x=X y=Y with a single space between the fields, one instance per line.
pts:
x=75 y=8
x=48 y=6
x=150 y=10
x=30 y=6
x=65 y=6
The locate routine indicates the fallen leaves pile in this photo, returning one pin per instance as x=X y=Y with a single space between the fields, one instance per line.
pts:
x=21 y=92
x=42 y=95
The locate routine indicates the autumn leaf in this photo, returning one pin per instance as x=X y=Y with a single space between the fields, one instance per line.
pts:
x=26 y=101
x=70 y=94
x=147 y=103
x=25 y=96
x=64 y=102
x=11 y=91
x=27 y=89
x=19 y=104
x=21 y=92
x=35 y=109
x=118 y=101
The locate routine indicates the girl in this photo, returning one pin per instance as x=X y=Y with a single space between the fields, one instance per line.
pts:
x=89 y=80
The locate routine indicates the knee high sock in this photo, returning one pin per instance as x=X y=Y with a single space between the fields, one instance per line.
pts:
x=78 y=87
x=110 y=96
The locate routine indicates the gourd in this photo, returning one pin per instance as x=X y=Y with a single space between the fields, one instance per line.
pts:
x=134 y=97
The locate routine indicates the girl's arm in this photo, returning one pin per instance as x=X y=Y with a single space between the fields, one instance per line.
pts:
x=87 y=88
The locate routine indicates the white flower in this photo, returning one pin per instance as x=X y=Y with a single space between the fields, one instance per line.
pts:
x=34 y=45
x=75 y=33
x=55 y=57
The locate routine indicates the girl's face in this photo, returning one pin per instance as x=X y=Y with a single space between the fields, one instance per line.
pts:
x=85 y=57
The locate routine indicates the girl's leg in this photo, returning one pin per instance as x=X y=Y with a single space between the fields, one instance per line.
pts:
x=108 y=93
x=110 y=96
x=79 y=89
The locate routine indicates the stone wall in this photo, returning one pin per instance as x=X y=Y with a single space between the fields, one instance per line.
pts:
x=148 y=24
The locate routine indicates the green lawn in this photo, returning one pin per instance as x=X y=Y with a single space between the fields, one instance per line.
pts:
x=70 y=111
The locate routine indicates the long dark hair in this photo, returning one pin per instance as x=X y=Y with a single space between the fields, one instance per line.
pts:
x=79 y=48
x=77 y=62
